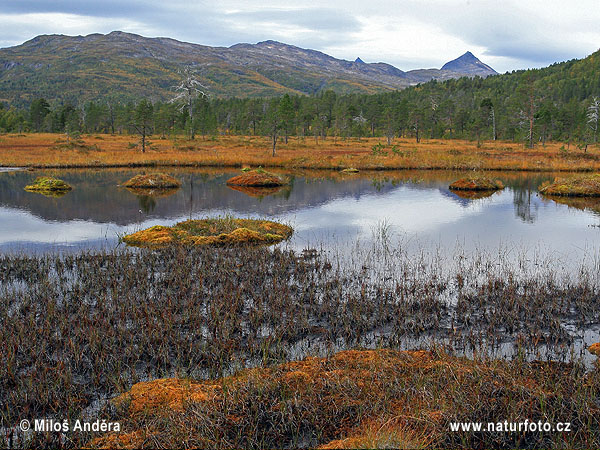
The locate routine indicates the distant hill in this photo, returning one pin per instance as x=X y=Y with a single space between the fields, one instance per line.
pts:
x=127 y=66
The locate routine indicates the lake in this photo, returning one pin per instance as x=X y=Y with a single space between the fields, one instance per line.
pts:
x=325 y=209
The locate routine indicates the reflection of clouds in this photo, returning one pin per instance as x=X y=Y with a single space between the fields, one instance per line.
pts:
x=405 y=209
x=21 y=226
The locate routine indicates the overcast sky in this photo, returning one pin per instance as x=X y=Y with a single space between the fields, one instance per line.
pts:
x=410 y=34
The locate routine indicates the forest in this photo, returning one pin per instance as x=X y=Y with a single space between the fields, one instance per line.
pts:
x=557 y=103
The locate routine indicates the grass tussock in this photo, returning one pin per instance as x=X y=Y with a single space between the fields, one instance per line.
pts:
x=257 y=178
x=212 y=231
x=580 y=186
x=364 y=399
x=477 y=183
x=153 y=181
x=49 y=186
x=35 y=150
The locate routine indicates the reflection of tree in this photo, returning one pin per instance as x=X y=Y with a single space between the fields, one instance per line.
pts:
x=147 y=203
x=522 y=203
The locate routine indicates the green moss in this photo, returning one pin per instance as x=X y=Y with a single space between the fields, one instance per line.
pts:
x=49 y=186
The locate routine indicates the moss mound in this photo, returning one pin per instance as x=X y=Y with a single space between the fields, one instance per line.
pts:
x=153 y=181
x=257 y=178
x=581 y=186
x=49 y=186
x=213 y=231
x=478 y=183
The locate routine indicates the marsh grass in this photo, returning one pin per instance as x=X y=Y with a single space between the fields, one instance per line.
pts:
x=117 y=151
x=83 y=327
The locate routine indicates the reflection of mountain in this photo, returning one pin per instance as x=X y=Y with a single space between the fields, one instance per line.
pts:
x=96 y=196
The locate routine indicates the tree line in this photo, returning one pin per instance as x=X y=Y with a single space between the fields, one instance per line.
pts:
x=560 y=102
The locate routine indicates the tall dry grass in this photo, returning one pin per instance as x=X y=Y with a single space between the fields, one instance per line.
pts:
x=52 y=150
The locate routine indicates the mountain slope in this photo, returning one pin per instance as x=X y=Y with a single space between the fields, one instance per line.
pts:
x=469 y=64
x=127 y=66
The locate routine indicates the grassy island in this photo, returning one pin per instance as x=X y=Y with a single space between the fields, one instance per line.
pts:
x=212 y=231
x=152 y=181
x=580 y=186
x=49 y=186
x=257 y=178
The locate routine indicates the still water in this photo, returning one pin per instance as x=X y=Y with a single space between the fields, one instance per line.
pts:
x=340 y=214
x=325 y=209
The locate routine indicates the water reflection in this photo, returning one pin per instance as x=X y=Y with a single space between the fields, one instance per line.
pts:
x=323 y=207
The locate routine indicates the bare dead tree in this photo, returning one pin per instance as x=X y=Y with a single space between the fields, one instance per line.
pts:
x=187 y=90
x=593 y=117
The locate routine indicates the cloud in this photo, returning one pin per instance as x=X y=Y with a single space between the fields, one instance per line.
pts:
x=409 y=34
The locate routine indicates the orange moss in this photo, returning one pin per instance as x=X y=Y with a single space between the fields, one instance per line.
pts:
x=165 y=394
x=595 y=349
x=215 y=231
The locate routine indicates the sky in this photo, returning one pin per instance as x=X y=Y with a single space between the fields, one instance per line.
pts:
x=409 y=34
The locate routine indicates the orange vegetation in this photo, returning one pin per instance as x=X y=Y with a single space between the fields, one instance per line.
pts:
x=257 y=178
x=46 y=150
x=595 y=349
x=357 y=399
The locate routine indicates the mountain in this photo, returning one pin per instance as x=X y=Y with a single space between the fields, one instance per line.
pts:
x=470 y=65
x=127 y=66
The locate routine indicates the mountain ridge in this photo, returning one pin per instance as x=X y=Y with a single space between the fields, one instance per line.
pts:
x=129 y=66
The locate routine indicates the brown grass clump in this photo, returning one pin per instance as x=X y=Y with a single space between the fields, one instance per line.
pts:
x=153 y=181
x=581 y=186
x=257 y=178
x=214 y=231
x=476 y=183
x=353 y=399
